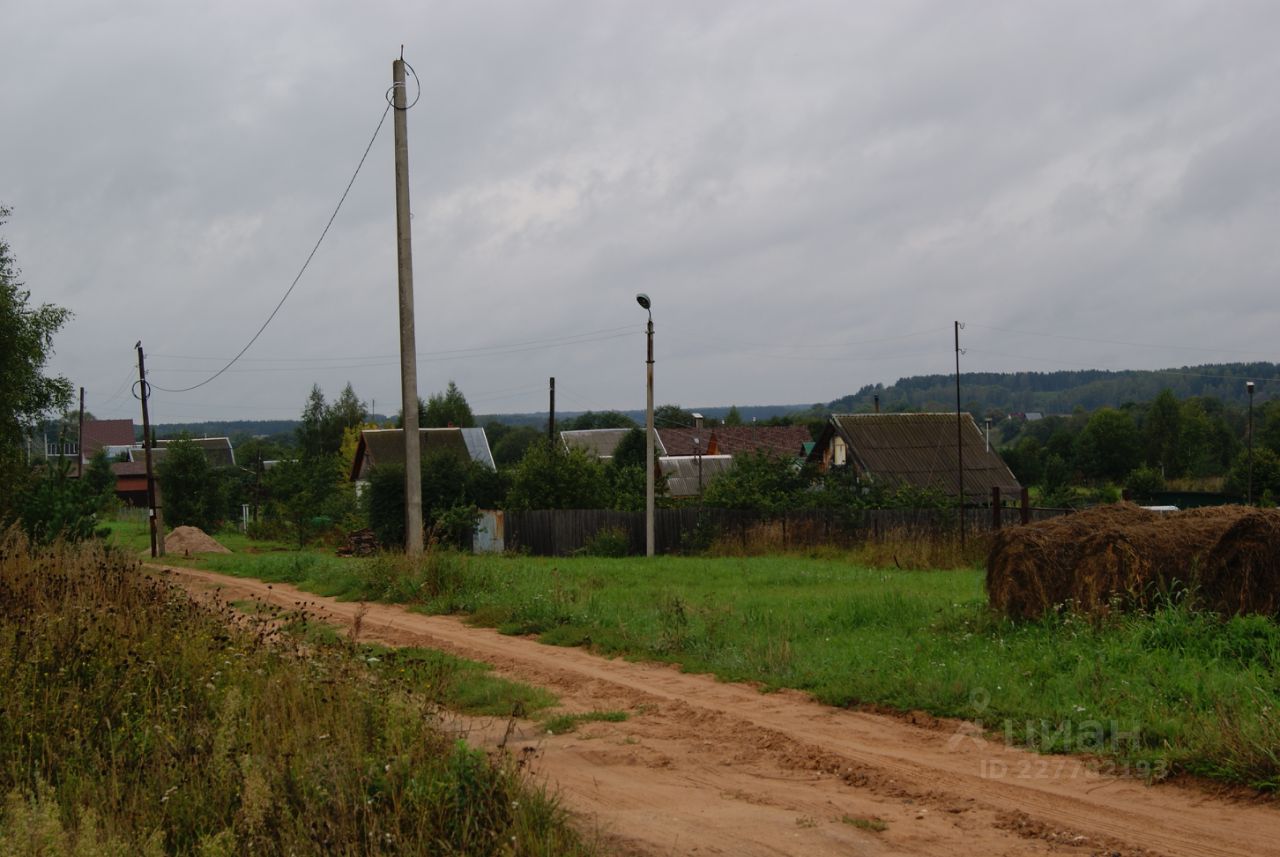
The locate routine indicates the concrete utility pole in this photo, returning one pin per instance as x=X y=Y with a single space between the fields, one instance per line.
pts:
x=144 y=393
x=408 y=344
x=959 y=437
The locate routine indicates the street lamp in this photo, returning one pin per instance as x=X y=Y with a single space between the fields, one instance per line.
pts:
x=697 y=453
x=1248 y=385
x=647 y=306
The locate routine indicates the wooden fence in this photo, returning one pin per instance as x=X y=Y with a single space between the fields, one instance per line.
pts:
x=561 y=532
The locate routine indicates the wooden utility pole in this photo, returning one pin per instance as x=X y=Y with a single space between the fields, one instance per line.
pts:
x=144 y=393
x=959 y=437
x=551 y=421
x=408 y=344
x=80 y=438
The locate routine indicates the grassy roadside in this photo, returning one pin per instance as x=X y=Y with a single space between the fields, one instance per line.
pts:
x=1152 y=694
x=138 y=722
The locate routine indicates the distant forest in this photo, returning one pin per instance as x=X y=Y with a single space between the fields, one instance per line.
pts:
x=982 y=393
x=1062 y=392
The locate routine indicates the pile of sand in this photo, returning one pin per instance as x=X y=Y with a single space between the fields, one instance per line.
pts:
x=1120 y=556
x=191 y=540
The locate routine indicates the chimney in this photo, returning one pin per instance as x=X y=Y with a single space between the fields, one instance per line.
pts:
x=877 y=403
x=697 y=420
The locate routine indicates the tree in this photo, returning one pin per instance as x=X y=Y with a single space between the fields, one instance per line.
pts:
x=26 y=344
x=313 y=439
x=760 y=482
x=1266 y=475
x=733 y=417
x=672 y=416
x=509 y=443
x=1109 y=446
x=449 y=408
x=193 y=492
x=310 y=497
x=347 y=411
x=630 y=450
x=1163 y=435
x=598 y=420
x=548 y=477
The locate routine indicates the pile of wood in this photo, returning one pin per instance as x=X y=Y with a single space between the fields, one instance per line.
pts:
x=1120 y=557
x=359 y=543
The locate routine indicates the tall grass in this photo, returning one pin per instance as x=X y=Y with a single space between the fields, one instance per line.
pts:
x=137 y=722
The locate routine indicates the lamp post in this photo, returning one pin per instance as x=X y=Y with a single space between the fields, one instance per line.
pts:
x=647 y=306
x=1249 y=386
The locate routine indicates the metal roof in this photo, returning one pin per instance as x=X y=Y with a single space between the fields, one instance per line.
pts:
x=386 y=446
x=217 y=450
x=682 y=472
x=920 y=450
x=598 y=442
x=735 y=440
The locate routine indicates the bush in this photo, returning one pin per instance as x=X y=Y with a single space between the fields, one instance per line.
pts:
x=608 y=541
x=55 y=506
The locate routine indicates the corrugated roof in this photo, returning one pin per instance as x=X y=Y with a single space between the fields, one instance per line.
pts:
x=682 y=472
x=598 y=442
x=735 y=440
x=386 y=446
x=217 y=450
x=920 y=450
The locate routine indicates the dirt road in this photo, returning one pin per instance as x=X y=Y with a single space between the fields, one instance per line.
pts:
x=703 y=767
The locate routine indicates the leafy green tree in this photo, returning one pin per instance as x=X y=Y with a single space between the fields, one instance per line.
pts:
x=1162 y=435
x=347 y=411
x=630 y=450
x=1266 y=475
x=449 y=408
x=672 y=416
x=56 y=506
x=733 y=417
x=314 y=438
x=453 y=489
x=26 y=393
x=509 y=443
x=549 y=477
x=760 y=482
x=598 y=420
x=193 y=493
x=1208 y=445
x=310 y=497
x=1109 y=446
x=1266 y=426
x=101 y=482
x=1143 y=483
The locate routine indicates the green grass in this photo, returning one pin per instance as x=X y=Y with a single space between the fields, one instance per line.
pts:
x=1152 y=694
x=136 y=721
x=873 y=825
x=561 y=723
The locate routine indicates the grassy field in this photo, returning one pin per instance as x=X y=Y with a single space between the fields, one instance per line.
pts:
x=1151 y=694
x=138 y=722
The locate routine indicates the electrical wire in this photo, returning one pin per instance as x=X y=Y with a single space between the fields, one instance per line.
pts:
x=302 y=270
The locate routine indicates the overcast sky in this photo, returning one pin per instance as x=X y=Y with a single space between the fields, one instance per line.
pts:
x=810 y=192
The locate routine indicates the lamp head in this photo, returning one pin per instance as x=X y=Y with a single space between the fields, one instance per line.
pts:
x=644 y=301
x=1248 y=385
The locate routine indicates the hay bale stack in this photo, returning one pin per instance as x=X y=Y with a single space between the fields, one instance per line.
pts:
x=1242 y=572
x=1122 y=556
x=1032 y=569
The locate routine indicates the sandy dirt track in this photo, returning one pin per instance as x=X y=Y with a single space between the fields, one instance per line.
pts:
x=703 y=767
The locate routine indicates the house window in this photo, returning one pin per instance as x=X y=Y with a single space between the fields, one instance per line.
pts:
x=838 y=452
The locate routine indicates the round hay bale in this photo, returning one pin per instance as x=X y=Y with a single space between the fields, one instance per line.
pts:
x=1242 y=572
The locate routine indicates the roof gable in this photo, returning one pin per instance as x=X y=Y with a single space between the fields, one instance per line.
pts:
x=920 y=450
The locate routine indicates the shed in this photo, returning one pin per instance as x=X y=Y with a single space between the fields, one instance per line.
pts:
x=386 y=446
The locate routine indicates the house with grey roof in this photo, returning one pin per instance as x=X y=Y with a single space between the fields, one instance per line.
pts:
x=915 y=450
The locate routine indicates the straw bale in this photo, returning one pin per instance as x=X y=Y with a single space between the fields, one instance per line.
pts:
x=1122 y=556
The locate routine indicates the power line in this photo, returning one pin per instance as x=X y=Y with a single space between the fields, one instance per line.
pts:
x=301 y=270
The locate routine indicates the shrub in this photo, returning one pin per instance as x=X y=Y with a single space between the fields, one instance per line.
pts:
x=608 y=541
